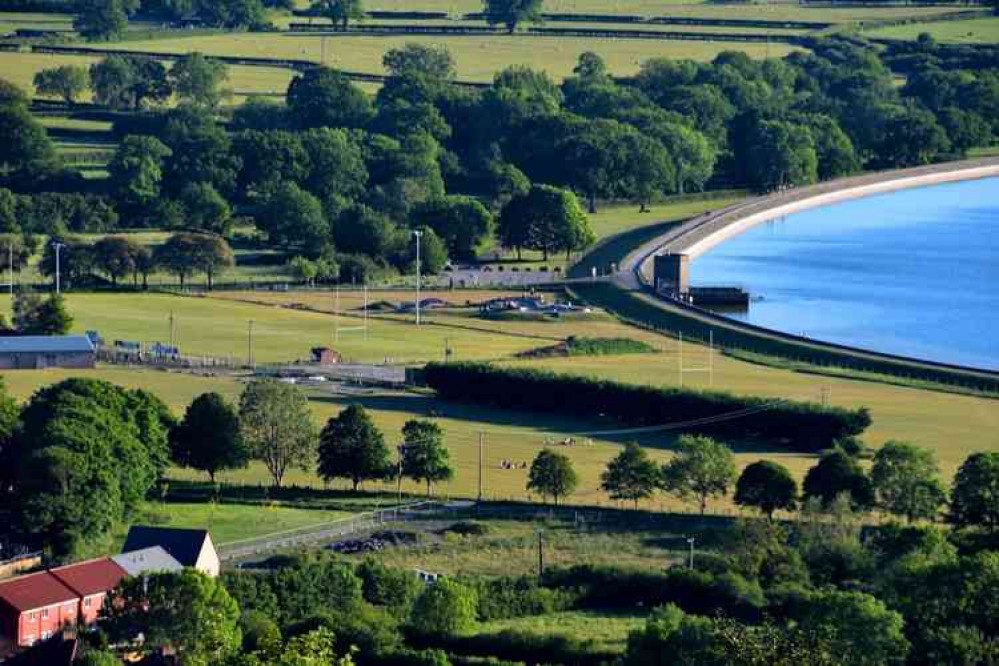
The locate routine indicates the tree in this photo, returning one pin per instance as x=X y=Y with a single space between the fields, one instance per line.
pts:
x=352 y=447
x=101 y=20
x=768 y=486
x=424 y=455
x=292 y=216
x=196 y=80
x=176 y=256
x=212 y=255
x=701 y=468
x=780 y=154
x=67 y=82
x=335 y=164
x=34 y=316
x=973 y=496
x=460 y=221
x=906 y=481
x=87 y=454
x=202 y=152
x=860 y=628
x=303 y=269
x=546 y=219
x=277 y=426
x=25 y=146
x=339 y=12
x=552 y=474
x=188 y=612
x=631 y=475
x=431 y=64
x=270 y=157
x=651 y=174
x=445 y=608
x=208 y=439
x=511 y=12
x=17 y=247
x=136 y=170
x=433 y=253
x=838 y=473
x=125 y=81
x=116 y=257
x=205 y=209
x=322 y=97
x=233 y=14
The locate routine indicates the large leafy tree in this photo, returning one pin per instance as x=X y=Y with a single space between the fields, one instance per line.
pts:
x=292 y=216
x=25 y=147
x=34 y=315
x=322 y=97
x=702 y=468
x=631 y=475
x=552 y=475
x=838 y=473
x=209 y=438
x=424 y=454
x=125 y=81
x=445 y=608
x=339 y=12
x=270 y=157
x=202 y=152
x=187 y=612
x=103 y=20
x=335 y=162
x=115 y=255
x=277 y=426
x=907 y=481
x=66 y=81
x=768 y=486
x=206 y=210
x=511 y=13
x=87 y=454
x=974 y=499
x=136 y=170
x=198 y=80
x=860 y=628
x=460 y=221
x=780 y=154
x=547 y=219
x=352 y=447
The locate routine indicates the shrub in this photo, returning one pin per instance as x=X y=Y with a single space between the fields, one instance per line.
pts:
x=447 y=607
x=469 y=528
x=801 y=426
x=503 y=598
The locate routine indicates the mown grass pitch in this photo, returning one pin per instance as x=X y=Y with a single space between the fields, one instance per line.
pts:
x=477 y=58
x=974 y=31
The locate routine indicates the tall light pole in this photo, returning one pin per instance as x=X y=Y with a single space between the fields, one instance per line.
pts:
x=58 y=246
x=419 y=234
x=249 y=343
x=690 y=541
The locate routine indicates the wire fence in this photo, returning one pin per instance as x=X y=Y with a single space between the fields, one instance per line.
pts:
x=331 y=531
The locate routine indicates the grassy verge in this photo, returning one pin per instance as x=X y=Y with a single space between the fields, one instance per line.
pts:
x=608 y=631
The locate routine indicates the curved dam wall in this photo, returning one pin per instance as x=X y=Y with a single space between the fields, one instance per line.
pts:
x=699 y=235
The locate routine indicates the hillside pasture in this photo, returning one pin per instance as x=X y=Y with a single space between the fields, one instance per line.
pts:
x=974 y=31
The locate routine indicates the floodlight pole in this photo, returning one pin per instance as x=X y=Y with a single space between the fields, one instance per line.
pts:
x=249 y=343
x=171 y=328
x=690 y=542
x=418 y=233
x=58 y=246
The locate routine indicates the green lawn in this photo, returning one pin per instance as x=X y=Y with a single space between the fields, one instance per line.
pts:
x=477 y=58
x=609 y=632
x=974 y=31
x=234 y=522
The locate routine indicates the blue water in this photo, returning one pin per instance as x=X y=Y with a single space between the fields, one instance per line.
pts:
x=914 y=272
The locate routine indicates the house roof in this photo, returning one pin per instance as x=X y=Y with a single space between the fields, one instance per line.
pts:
x=45 y=344
x=183 y=545
x=92 y=577
x=148 y=560
x=36 y=590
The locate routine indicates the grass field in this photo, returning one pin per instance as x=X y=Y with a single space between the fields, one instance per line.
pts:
x=20 y=69
x=477 y=58
x=608 y=632
x=233 y=522
x=974 y=31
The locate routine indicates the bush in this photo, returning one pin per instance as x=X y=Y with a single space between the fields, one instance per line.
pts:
x=445 y=608
x=469 y=528
x=526 y=647
x=802 y=426
x=503 y=598
x=396 y=589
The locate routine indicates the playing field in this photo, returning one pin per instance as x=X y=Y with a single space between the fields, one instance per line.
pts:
x=975 y=31
x=20 y=69
x=477 y=58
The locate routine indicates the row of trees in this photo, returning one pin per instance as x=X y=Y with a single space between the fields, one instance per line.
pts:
x=273 y=425
x=107 y=20
x=129 y=82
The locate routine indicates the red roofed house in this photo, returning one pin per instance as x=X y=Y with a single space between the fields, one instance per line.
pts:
x=91 y=581
x=39 y=605
x=34 y=607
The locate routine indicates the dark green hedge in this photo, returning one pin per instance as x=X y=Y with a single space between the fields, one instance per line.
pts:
x=798 y=425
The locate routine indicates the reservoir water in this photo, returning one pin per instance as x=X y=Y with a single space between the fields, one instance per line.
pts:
x=913 y=272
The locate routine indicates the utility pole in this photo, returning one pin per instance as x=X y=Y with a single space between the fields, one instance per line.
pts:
x=481 y=437
x=171 y=328
x=58 y=246
x=249 y=343
x=541 y=555
x=398 y=477
x=419 y=234
x=690 y=542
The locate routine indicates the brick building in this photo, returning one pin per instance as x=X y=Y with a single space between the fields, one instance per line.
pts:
x=40 y=605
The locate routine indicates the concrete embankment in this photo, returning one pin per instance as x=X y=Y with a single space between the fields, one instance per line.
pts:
x=637 y=303
x=703 y=233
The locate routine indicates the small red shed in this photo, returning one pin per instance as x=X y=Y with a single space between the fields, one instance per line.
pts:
x=325 y=356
